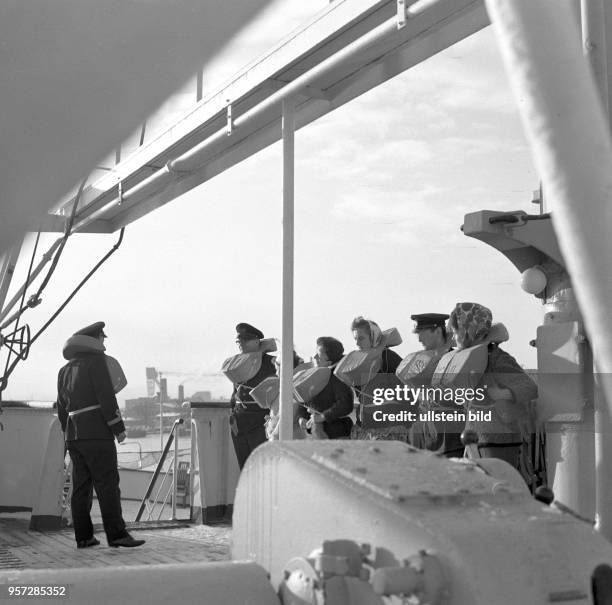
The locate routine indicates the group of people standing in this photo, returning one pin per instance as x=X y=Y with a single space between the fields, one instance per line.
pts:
x=337 y=411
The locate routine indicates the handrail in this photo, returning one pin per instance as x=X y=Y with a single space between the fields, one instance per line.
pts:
x=160 y=464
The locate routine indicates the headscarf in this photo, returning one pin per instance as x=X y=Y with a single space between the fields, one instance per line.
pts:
x=471 y=323
x=375 y=333
x=371 y=327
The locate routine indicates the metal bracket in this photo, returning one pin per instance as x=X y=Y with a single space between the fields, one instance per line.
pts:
x=401 y=13
x=230 y=121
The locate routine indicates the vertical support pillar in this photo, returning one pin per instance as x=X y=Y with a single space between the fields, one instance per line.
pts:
x=541 y=46
x=286 y=373
x=175 y=469
x=593 y=15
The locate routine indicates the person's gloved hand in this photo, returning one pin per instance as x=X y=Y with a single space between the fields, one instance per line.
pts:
x=121 y=437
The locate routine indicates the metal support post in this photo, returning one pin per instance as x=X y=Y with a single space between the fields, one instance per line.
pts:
x=286 y=371
x=594 y=48
x=175 y=469
x=539 y=67
x=161 y=414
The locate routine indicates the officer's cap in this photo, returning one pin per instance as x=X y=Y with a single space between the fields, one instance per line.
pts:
x=429 y=321
x=93 y=330
x=248 y=332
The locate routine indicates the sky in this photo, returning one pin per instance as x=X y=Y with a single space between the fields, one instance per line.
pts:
x=381 y=188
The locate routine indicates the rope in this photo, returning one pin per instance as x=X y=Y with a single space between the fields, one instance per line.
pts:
x=21 y=304
x=23 y=354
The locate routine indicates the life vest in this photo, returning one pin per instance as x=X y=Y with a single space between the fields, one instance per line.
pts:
x=461 y=369
x=417 y=368
x=359 y=367
x=266 y=393
x=309 y=383
x=242 y=367
x=465 y=367
x=117 y=376
x=88 y=344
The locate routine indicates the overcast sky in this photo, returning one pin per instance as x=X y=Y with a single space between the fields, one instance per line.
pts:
x=382 y=185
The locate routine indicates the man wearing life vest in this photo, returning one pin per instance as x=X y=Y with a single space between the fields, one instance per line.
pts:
x=90 y=418
x=430 y=329
x=247 y=418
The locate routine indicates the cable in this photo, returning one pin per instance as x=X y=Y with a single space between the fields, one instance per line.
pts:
x=23 y=354
x=67 y=234
x=21 y=306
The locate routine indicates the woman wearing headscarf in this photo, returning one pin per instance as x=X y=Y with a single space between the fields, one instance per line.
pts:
x=507 y=388
x=329 y=409
x=368 y=335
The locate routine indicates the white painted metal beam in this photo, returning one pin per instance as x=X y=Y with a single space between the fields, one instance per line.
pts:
x=286 y=371
x=443 y=24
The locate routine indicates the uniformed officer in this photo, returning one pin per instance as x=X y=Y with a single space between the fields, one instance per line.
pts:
x=431 y=331
x=247 y=419
x=91 y=420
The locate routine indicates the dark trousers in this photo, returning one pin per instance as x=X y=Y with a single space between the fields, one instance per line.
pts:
x=339 y=428
x=94 y=465
x=246 y=441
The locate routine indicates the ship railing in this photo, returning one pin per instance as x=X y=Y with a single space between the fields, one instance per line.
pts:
x=168 y=481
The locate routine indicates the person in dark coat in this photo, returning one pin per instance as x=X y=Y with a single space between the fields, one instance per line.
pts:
x=368 y=335
x=247 y=419
x=333 y=405
x=88 y=412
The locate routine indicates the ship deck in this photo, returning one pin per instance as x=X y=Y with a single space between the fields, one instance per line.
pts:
x=176 y=542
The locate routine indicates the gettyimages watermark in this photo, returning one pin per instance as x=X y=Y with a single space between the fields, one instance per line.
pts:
x=437 y=394
x=405 y=405
x=527 y=403
x=450 y=402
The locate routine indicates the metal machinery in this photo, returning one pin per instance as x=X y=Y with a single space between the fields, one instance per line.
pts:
x=372 y=523
x=375 y=523
x=368 y=520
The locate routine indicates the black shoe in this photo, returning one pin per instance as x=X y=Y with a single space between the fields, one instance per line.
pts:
x=127 y=541
x=87 y=543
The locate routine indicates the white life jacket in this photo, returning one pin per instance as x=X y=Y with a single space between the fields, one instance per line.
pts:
x=417 y=368
x=242 y=367
x=309 y=383
x=88 y=344
x=266 y=393
x=357 y=368
x=117 y=376
x=461 y=369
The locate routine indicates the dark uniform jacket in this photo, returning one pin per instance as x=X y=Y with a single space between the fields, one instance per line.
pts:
x=246 y=412
x=86 y=403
